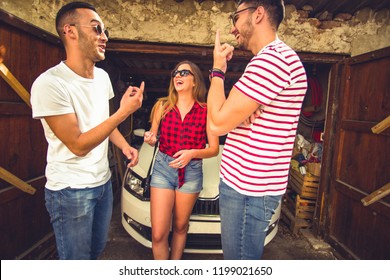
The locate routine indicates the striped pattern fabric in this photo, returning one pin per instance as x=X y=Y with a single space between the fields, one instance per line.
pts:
x=256 y=158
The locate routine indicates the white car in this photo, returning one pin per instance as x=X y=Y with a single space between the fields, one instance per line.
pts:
x=204 y=234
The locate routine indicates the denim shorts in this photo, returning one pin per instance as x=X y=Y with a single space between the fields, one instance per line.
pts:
x=166 y=177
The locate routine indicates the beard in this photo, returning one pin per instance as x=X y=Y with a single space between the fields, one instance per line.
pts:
x=90 y=48
x=246 y=34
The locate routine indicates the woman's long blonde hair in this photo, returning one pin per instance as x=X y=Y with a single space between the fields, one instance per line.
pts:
x=169 y=102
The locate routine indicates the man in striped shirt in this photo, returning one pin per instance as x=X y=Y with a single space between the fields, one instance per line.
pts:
x=256 y=156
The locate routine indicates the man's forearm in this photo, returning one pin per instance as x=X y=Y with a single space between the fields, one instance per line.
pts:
x=117 y=139
x=215 y=101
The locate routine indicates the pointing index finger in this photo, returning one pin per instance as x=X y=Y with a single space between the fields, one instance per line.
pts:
x=142 y=87
x=217 y=40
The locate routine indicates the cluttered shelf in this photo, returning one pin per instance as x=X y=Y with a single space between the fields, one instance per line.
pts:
x=301 y=196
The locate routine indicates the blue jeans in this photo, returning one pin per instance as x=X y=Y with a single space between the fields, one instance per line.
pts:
x=244 y=223
x=81 y=220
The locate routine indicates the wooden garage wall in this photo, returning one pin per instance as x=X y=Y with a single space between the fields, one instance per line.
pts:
x=23 y=217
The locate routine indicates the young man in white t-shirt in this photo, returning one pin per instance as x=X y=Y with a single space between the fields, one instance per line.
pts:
x=72 y=101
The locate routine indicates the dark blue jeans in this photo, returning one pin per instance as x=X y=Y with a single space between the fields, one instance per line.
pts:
x=244 y=223
x=81 y=220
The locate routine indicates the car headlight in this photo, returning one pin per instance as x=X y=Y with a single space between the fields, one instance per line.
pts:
x=134 y=184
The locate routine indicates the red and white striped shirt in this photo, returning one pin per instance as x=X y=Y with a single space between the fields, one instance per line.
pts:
x=256 y=158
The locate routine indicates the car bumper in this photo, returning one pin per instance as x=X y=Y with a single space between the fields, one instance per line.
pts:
x=204 y=234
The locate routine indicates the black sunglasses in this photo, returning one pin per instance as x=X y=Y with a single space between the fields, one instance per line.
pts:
x=234 y=16
x=97 y=28
x=183 y=73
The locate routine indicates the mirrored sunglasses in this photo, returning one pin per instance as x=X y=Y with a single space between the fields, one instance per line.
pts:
x=99 y=30
x=183 y=73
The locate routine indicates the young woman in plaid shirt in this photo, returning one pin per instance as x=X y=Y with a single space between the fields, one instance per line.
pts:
x=177 y=174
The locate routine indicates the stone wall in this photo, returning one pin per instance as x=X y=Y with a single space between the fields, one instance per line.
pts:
x=191 y=22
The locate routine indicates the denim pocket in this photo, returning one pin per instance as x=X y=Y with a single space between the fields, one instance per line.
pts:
x=270 y=205
x=159 y=157
x=195 y=164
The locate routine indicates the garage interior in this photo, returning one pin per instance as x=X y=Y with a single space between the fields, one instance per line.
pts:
x=27 y=235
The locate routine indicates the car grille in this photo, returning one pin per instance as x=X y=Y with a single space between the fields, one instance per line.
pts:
x=204 y=241
x=193 y=241
x=206 y=207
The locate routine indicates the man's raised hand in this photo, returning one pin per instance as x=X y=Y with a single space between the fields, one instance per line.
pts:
x=222 y=53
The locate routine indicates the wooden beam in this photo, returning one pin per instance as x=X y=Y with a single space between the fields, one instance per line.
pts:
x=15 y=84
x=380 y=127
x=11 y=80
x=167 y=49
x=15 y=181
x=376 y=195
x=167 y=73
x=14 y=109
x=21 y=24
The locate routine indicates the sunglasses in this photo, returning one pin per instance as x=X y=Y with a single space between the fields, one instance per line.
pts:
x=234 y=16
x=97 y=28
x=183 y=73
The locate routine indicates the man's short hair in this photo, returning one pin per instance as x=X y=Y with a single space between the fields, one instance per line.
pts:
x=68 y=10
x=274 y=8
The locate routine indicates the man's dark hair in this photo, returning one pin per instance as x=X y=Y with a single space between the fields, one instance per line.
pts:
x=69 y=10
x=274 y=8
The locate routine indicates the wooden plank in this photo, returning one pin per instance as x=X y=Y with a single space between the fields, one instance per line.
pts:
x=382 y=207
x=14 y=109
x=306 y=186
x=21 y=24
x=294 y=223
x=364 y=58
x=44 y=249
x=11 y=193
x=359 y=126
x=299 y=207
x=380 y=127
x=15 y=181
x=15 y=84
x=120 y=46
x=23 y=147
x=376 y=195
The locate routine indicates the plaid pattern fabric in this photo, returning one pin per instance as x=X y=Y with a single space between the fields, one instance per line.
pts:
x=176 y=135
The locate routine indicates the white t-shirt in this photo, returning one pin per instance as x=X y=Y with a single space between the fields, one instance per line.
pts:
x=60 y=91
x=256 y=158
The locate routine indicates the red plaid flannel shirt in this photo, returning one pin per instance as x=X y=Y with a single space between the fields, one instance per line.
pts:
x=176 y=135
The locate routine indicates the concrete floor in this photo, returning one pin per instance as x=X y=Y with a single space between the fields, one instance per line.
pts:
x=285 y=246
